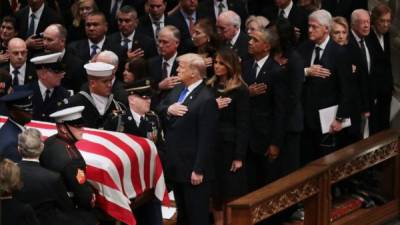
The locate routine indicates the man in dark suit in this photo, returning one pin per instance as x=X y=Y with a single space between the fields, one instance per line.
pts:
x=96 y=28
x=155 y=20
x=54 y=40
x=228 y=28
x=32 y=20
x=212 y=8
x=110 y=8
x=184 y=19
x=162 y=69
x=327 y=84
x=381 y=74
x=21 y=71
x=130 y=42
x=19 y=106
x=267 y=109
x=47 y=92
x=190 y=111
x=289 y=10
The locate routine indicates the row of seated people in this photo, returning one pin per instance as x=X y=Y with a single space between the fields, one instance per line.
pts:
x=266 y=90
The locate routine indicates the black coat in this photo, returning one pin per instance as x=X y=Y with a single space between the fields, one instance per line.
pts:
x=9 y=145
x=48 y=17
x=42 y=110
x=14 y=212
x=268 y=110
x=319 y=93
x=241 y=46
x=75 y=74
x=63 y=157
x=30 y=72
x=198 y=126
x=45 y=191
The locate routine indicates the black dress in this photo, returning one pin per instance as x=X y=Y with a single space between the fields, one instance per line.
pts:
x=231 y=145
x=14 y=212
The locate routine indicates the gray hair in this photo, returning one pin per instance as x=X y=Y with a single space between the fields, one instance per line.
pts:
x=30 y=144
x=261 y=21
x=195 y=61
x=175 y=32
x=232 y=17
x=356 y=14
x=323 y=17
x=110 y=56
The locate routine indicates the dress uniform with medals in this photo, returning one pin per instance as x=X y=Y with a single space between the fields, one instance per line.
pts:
x=19 y=106
x=47 y=97
x=98 y=109
x=61 y=155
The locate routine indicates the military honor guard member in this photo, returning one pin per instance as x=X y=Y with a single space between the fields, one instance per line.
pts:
x=19 y=106
x=61 y=155
x=47 y=91
x=99 y=102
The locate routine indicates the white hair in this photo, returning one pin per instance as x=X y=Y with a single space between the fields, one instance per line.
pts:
x=232 y=17
x=29 y=143
x=323 y=17
x=355 y=15
x=111 y=57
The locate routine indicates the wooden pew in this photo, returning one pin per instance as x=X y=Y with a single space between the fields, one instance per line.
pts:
x=311 y=186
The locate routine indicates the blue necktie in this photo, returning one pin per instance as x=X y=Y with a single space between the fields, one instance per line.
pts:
x=94 y=50
x=182 y=95
x=31 y=28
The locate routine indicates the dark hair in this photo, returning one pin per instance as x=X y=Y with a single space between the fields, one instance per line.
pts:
x=128 y=9
x=98 y=13
x=286 y=34
x=138 y=67
x=378 y=11
x=210 y=30
x=12 y=20
x=6 y=79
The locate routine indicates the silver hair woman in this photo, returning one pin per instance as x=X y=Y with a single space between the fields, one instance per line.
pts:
x=30 y=143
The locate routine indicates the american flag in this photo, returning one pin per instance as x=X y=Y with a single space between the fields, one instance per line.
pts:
x=119 y=166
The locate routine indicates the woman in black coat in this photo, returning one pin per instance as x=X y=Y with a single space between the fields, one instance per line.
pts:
x=232 y=97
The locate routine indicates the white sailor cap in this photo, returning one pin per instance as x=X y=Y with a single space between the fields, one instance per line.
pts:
x=47 y=59
x=70 y=115
x=99 y=69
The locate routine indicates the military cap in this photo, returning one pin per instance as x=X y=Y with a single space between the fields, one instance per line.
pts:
x=70 y=115
x=20 y=98
x=99 y=69
x=140 y=87
x=50 y=61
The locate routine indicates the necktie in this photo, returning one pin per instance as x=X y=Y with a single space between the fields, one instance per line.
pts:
x=182 y=95
x=31 y=28
x=282 y=14
x=164 y=69
x=114 y=9
x=253 y=72
x=141 y=122
x=47 y=96
x=191 y=23
x=125 y=43
x=317 y=55
x=220 y=7
x=158 y=28
x=364 y=53
x=94 y=50
x=15 y=79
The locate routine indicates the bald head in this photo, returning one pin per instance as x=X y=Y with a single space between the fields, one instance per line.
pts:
x=17 y=51
x=360 y=22
x=54 y=37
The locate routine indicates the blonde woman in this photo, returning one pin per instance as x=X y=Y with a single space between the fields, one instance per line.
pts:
x=80 y=9
x=232 y=97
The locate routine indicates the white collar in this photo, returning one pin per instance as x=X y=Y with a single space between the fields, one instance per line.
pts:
x=30 y=160
x=136 y=117
x=100 y=103
x=287 y=9
x=324 y=43
x=261 y=62
x=43 y=89
x=358 y=39
x=234 y=39
x=38 y=12
x=161 y=20
x=171 y=60
x=99 y=44
x=20 y=70
x=193 y=86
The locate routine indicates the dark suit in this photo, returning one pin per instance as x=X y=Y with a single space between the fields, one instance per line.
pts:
x=9 y=141
x=297 y=17
x=207 y=8
x=155 y=72
x=82 y=49
x=319 y=93
x=177 y=19
x=194 y=153
x=75 y=74
x=14 y=212
x=49 y=16
x=41 y=109
x=146 y=27
x=30 y=72
x=45 y=191
x=267 y=120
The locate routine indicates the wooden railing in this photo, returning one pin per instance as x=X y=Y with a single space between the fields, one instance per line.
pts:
x=311 y=186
